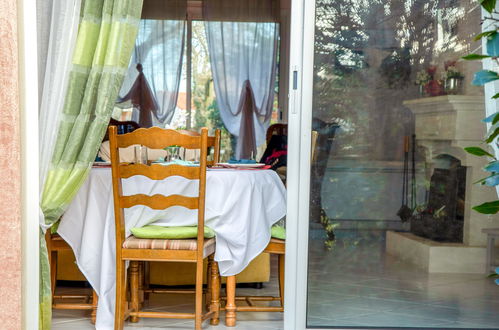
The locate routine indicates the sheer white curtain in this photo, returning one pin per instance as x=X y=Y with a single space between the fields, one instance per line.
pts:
x=159 y=48
x=243 y=54
x=57 y=40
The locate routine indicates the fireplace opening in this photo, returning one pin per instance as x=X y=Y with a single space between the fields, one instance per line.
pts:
x=442 y=218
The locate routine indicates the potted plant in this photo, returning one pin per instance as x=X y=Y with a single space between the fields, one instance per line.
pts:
x=422 y=78
x=453 y=78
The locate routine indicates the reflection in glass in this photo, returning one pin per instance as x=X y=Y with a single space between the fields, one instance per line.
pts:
x=386 y=72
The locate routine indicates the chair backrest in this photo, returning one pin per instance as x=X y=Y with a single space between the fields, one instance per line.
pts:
x=282 y=129
x=276 y=129
x=212 y=141
x=158 y=138
x=123 y=127
x=314 y=137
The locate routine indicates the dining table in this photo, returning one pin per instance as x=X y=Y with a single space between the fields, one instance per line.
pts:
x=241 y=207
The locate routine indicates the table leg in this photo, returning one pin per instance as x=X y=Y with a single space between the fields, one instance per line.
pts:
x=230 y=307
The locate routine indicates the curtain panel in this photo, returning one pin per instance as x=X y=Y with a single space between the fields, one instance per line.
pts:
x=104 y=44
x=159 y=49
x=142 y=97
x=58 y=21
x=243 y=58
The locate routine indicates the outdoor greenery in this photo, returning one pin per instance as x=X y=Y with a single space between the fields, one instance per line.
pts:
x=206 y=112
x=483 y=77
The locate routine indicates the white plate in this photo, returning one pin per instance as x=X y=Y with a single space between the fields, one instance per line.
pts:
x=228 y=165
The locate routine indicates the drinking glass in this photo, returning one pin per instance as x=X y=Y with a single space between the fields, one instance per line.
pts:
x=141 y=156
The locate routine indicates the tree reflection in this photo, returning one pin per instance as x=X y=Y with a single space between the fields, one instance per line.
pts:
x=367 y=53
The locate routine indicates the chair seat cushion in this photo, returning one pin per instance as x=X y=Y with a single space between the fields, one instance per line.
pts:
x=278 y=232
x=133 y=242
x=171 y=232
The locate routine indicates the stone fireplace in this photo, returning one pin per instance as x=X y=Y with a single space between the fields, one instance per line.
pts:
x=444 y=126
x=442 y=219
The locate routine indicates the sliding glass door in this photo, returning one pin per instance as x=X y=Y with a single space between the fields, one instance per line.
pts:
x=383 y=105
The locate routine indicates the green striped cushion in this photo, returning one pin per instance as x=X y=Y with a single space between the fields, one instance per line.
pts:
x=278 y=232
x=170 y=232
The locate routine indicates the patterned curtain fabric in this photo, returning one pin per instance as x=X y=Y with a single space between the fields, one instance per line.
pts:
x=104 y=45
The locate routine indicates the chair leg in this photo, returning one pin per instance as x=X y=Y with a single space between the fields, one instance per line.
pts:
x=134 y=289
x=141 y=283
x=53 y=271
x=199 y=295
x=281 y=258
x=230 y=307
x=119 y=314
x=95 y=302
x=208 y=294
x=215 y=292
x=147 y=266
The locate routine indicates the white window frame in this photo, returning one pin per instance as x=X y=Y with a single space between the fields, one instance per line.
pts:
x=299 y=116
x=299 y=151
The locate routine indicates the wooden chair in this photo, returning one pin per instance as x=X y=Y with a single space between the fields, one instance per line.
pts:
x=276 y=129
x=134 y=249
x=275 y=246
x=55 y=244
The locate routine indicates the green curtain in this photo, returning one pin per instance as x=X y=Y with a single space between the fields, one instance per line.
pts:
x=106 y=37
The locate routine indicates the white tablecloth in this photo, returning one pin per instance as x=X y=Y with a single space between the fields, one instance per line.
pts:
x=241 y=207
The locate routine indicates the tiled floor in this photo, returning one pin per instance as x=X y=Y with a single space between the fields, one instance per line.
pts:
x=355 y=285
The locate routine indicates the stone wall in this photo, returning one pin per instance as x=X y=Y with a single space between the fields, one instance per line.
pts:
x=10 y=171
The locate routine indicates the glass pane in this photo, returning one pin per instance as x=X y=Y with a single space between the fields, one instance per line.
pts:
x=393 y=239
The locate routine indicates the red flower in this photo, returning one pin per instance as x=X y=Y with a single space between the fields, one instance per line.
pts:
x=447 y=64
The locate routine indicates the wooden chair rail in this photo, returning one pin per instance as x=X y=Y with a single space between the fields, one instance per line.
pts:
x=159 y=202
x=158 y=172
x=259 y=309
x=86 y=297
x=187 y=291
x=164 y=315
x=249 y=299
x=73 y=306
x=155 y=138
x=160 y=255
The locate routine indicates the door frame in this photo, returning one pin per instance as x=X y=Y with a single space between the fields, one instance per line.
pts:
x=298 y=168
x=28 y=105
x=298 y=174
